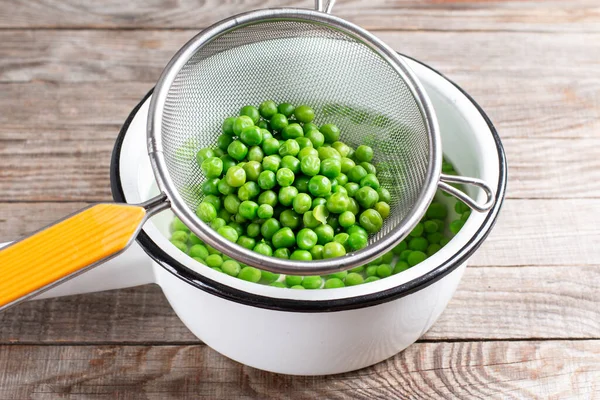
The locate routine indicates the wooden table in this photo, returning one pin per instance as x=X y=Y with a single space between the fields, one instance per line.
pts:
x=525 y=322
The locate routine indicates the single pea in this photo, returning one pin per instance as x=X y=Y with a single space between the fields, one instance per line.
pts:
x=240 y=219
x=331 y=132
x=268 y=197
x=223 y=141
x=341 y=238
x=371 y=181
x=289 y=148
x=195 y=240
x=252 y=112
x=264 y=211
x=203 y=154
x=456 y=226
x=271 y=163
x=444 y=241
x=292 y=131
x=264 y=249
x=255 y=154
x=232 y=203
x=461 y=207
x=284 y=238
x=220 y=153
x=246 y=242
x=289 y=218
x=214 y=260
x=308 y=151
x=372 y=279
x=383 y=209
x=400 y=266
x=227 y=126
x=309 y=220
x=440 y=224
x=384 y=195
x=356 y=174
x=388 y=257
x=352 y=188
x=321 y=213
x=331 y=167
x=341 y=179
x=180 y=236
x=304 y=114
x=353 y=206
x=405 y=254
x=324 y=233
x=277 y=284
x=267 y=109
x=242 y=122
x=309 y=126
x=211 y=186
x=217 y=223
x=310 y=165
x=251 y=136
x=180 y=245
x=269 y=228
x=435 y=237
x=377 y=261
x=278 y=122
x=366 y=196
x=347 y=219
x=333 y=222
x=346 y=164
x=371 y=220
x=228 y=162
x=298 y=287
x=358 y=269
x=212 y=250
x=316 y=137
x=253 y=230
x=248 y=209
x=293 y=280
x=432 y=249
x=437 y=210
x=304 y=143
x=285 y=177
x=214 y=200
x=178 y=225
x=328 y=152
x=319 y=201
x=268 y=277
x=319 y=185
x=228 y=233
x=339 y=275
x=291 y=163
x=341 y=148
x=371 y=270
x=384 y=270
x=417 y=230
x=201 y=261
x=250 y=274
x=287 y=195
x=248 y=191
x=364 y=153
x=333 y=283
x=337 y=188
x=270 y=146
x=301 y=255
x=357 y=241
x=206 y=212
x=267 y=180
x=338 y=203
x=416 y=257
x=252 y=170
x=306 y=239
x=316 y=252
x=231 y=267
x=282 y=253
x=465 y=216
x=370 y=168
x=302 y=203
x=353 y=279
x=430 y=226
x=286 y=109
x=237 y=150
x=226 y=215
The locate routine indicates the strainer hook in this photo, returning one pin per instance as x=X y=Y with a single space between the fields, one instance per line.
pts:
x=444 y=185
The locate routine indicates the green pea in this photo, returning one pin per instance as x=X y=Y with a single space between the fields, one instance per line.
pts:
x=400 y=266
x=384 y=195
x=341 y=238
x=289 y=148
x=432 y=249
x=333 y=283
x=456 y=226
x=331 y=167
x=282 y=253
x=416 y=257
x=268 y=197
x=252 y=170
x=384 y=270
x=341 y=148
x=298 y=287
x=316 y=137
x=417 y=230
x=321 y=213
x=195 y=240
x=465 y=216
x=286 y=109
x=287 y=195
x=331 y=132
x=302 y=203
x=253 y=230
x=246 y=242
x=346 y=164
x=372 y=279
x=180 y=236
x=430 y=226
x=269 y=277
x=444 y=241
x=309 y=220
x=304 y=143
x=237 y=150
x=251 y=112
x=228 y=233
x=250 y=274
x=248 y=209
x=324 y=233
x=289 y=218
x=328 y=152
x=437 y=210
x=316 y=252
x=277 y=284
x=319 y=201
x=339 y=275
x=267 y=180
x=285 y=177
x=228 y=162
x=435 y=237
x=364 y=153
x=251 y=136
x=351 y=188
x=227 y=126
x=269 y=228
x=310 y=165
x=371 y=270
x=284 y=238
x=306 y=239
x=264 y=211
x=366 y=196
x=198 y=251
x=338 y=202
x=248 y=191
x=346 y=219
x=220 y=153
x=232 y=203
x=206 y=212
x=216 y=223
x=278 y=122
x=371 y=220
x=333 y=222
x=292 y=131
x=203 y=154
x=226 y=215
x=383 y=209
x=255 y=154
x=371 y=181
x=270 y=146
x=180 y=245
x=242 y=122
x=333 y=249
x=239 y=218
x=223 y=141
x=264 y=249
x=304 y=114
x=231 y=267
x=214 y=260
x=319 y=185
x=211 y=186
x=293 y=280
x=353 y=279
x=405 y=254
x=267 y=109
x=301 y=255
x=309 y=126
x=341 y=179
x=356 y=174
x=291 y=163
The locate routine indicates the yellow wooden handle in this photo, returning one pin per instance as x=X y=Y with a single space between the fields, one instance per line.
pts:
x=65 y=248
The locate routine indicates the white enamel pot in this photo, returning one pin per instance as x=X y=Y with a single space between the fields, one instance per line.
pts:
x=304 y=332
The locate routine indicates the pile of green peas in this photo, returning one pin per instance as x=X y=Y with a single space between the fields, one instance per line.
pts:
x=280 y=185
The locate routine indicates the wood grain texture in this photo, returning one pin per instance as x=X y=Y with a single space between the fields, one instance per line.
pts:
x=490 y=303
x=545 y=15
x=507 y=370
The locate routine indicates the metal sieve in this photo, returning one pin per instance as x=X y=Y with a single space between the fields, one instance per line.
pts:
x=346 y=74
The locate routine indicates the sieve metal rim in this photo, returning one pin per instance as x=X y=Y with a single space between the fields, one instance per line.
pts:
x=178 y=205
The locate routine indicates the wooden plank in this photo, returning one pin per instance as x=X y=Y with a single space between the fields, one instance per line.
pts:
x=548 y=15
x=491 y=303
x=508 y=370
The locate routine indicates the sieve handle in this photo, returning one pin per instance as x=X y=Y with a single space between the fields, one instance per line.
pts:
x=324 y=7
x=68 y=247
x=444 y=185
